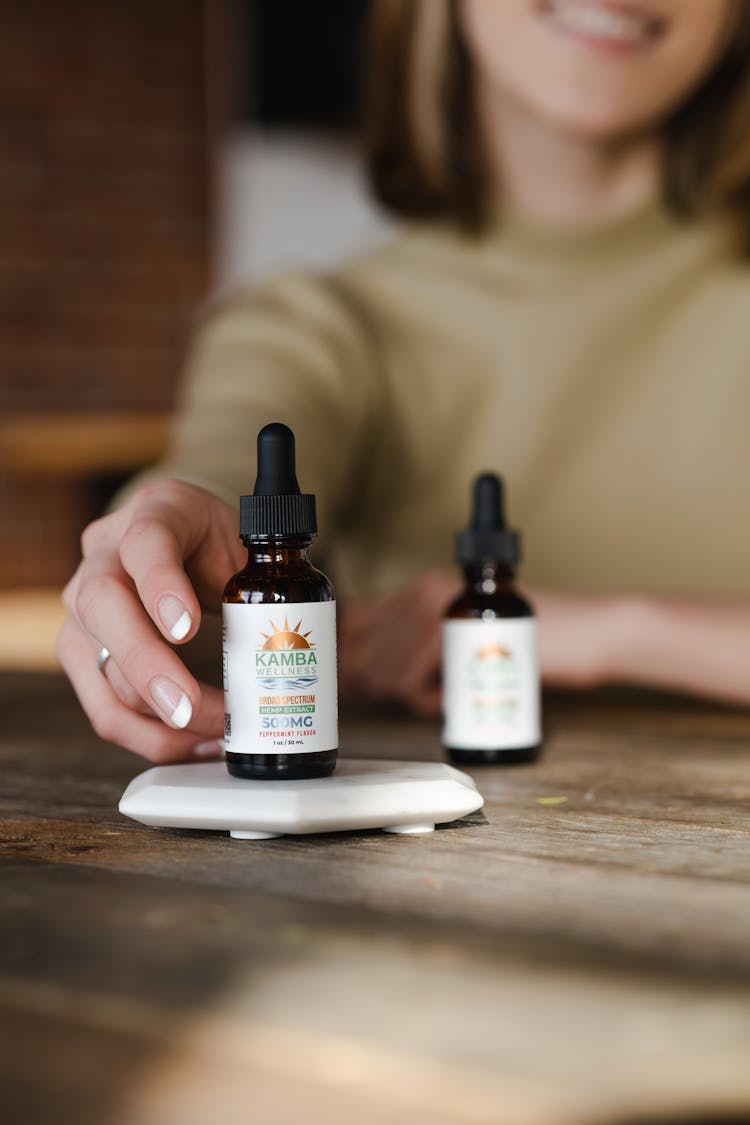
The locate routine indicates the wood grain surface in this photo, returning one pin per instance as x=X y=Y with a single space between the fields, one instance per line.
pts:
x=585 y=959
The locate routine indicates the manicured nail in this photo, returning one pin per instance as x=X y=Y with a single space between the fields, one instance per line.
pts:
x=207 y=750
x=175 y=617
x=171 y=701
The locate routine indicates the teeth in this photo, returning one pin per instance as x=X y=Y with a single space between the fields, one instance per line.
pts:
x=600 y=22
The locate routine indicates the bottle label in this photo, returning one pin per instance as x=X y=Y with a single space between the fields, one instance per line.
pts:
x=279 y=670
x=491 y=685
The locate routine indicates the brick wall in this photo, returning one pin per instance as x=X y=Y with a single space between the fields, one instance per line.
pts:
x=103 y=228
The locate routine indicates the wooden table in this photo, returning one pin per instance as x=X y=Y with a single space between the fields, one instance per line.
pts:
x=572 y=962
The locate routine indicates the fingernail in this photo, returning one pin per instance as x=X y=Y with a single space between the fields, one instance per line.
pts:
x=175 y=617
x=207 y=750
x=171 y=701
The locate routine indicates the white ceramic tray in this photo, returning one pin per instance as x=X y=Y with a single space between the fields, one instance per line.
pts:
x=409 y=798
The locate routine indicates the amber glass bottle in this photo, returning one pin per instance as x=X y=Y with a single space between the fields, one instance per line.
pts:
x=279 y=632
x=490 y=666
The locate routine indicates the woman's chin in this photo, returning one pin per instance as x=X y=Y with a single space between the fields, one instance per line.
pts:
x=604 y=117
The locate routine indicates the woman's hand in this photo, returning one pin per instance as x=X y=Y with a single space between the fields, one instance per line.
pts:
x=391 y=646
x=146 y=571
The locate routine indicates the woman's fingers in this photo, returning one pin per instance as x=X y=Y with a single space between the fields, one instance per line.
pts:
x=131 y=594
x=108 y=609
x=174 y=525
x=110 y=717
x=152 y=553
x=207 y=721
x=144 y=672
x=133 y=571
x=124 y=690
x=110 y=612
x=164 y=528
x=393 y=644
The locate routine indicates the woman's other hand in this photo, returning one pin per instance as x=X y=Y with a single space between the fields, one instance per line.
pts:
x=147 y=570
x=390 y=647
x=391 y=650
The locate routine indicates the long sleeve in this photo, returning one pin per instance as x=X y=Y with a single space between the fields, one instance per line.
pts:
x=294 y=351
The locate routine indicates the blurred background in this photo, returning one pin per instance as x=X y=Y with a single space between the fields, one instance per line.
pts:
x=152 y=154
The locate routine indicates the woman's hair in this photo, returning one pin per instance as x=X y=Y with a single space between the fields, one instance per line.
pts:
x=423 y=143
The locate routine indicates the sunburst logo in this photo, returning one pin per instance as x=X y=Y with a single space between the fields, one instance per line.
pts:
x=286 y=658
x=285 y=639
x=494 y=652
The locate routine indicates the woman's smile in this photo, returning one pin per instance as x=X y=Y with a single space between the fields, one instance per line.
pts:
x=604 y=25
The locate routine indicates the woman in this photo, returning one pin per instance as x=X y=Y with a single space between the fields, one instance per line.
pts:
x=568 y=305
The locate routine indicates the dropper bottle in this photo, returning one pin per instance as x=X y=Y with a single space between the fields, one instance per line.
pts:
x=279 y=632
x=491 y=697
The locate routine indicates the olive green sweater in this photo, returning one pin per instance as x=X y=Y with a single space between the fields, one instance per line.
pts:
x=604 y=374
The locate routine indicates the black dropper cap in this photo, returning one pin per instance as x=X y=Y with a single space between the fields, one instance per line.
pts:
x=276 y=508
x=487 y=538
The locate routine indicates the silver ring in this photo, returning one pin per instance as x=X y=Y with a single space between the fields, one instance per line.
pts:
x=102 y=658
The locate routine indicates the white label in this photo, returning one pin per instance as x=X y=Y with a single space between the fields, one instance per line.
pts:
x=491 y=684
x=280 y=678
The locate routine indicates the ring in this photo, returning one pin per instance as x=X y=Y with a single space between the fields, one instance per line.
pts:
x=102 y=658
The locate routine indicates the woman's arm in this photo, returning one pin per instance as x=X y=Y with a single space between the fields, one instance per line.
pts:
x=390 y=646
x=297 y=351
x=696 y=645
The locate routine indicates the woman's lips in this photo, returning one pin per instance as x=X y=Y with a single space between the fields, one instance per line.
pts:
x=611 y=25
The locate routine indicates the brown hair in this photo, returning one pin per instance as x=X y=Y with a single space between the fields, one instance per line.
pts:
x=424 y=150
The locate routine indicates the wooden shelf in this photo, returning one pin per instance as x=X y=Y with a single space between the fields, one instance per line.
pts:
x=81 y=444
x=30 y=620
